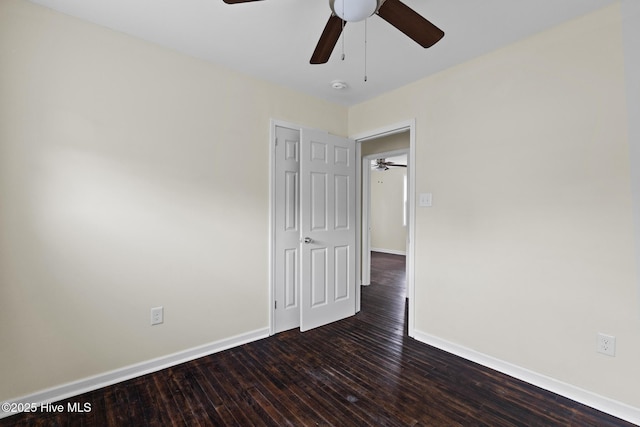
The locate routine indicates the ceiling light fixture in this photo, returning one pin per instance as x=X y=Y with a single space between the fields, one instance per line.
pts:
x=354 y=10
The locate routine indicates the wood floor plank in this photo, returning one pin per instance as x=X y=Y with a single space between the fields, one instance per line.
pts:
x=274 y=386
x=361 y=371
x=154 y=408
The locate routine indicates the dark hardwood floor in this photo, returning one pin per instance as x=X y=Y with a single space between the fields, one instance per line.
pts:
x=357 y=372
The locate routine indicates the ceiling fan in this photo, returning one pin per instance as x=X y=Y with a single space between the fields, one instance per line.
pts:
x=383 y=165
x=394 y=12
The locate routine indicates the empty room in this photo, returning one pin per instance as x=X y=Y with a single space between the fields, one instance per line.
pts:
x=187 y=225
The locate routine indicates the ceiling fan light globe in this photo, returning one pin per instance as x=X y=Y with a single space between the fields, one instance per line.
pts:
x=354 y=10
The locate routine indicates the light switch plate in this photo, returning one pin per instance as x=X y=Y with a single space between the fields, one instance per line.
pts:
x=425 y=199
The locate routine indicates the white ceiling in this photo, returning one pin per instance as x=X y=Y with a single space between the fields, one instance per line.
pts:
x=274 y=39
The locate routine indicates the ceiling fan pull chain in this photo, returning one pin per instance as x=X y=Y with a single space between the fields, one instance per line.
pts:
x=343 y=35
x=343 y=40
x=365 y=50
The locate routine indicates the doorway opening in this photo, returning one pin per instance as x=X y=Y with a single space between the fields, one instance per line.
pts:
x=388 y=143
x=385 y=204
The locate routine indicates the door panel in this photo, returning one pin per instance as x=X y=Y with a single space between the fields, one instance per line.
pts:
x=342 y=211
x=287 y=230
x=341 y=281
x=291 y=205
x=291 y=279
x=342 y=156
x=327 y=219
x=318 y=198
x=318 y=277
x=318 y=152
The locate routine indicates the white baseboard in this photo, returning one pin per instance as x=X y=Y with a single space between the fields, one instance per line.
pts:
x=601 y=403
x=76 y=388
x=389 y=251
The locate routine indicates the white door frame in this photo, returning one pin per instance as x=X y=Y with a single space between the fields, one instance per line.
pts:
x=361 y=138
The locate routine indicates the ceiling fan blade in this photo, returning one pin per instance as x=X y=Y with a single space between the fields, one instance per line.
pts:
x=328 y=40
x=237 y=1
x=410 y=22
x=393 y=164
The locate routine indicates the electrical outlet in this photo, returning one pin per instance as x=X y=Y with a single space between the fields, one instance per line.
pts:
x=606 y=344
x=157 y=315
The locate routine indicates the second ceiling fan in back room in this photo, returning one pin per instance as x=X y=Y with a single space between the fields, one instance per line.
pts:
x=381 y=165
x=394 y=12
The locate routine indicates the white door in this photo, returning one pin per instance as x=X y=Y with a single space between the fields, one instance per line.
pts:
x=328 y=226
x=287 y=230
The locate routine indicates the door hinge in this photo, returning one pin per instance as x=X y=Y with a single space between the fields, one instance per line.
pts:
x=275 y=305
x=276 y=142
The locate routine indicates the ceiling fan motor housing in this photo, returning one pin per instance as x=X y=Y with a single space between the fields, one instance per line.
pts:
x=354 y=10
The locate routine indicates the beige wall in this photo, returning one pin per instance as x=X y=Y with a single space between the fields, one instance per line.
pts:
x=130 y=177
x=528 y=250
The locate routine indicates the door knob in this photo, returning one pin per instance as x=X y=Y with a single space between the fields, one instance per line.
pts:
x=307 y=240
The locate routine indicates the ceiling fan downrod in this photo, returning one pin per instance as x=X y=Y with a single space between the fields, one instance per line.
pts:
x=365 y=50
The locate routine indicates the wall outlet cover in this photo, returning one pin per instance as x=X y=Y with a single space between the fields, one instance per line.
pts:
x=157 y=315
x=606 y=344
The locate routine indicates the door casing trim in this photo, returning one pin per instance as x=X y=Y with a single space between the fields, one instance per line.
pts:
x=363 y=137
